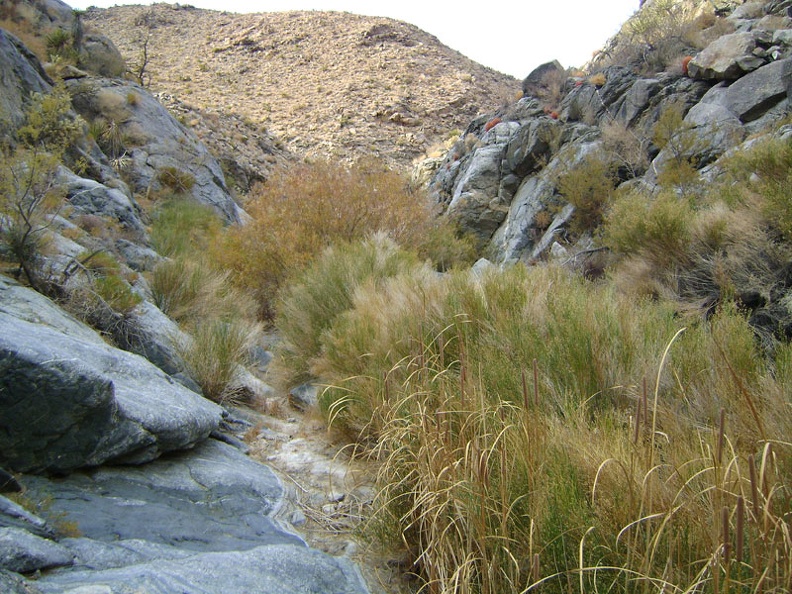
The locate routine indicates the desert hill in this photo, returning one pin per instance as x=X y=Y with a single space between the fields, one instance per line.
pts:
x=323 y=83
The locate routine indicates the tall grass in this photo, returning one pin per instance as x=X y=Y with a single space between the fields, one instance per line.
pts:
x=220 y=319
x=537 y=432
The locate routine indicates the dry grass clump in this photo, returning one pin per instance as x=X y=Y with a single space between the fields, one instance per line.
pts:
x=192 y=290
x=536 y=432
x=302 y=210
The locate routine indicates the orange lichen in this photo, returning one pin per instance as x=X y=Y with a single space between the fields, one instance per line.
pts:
x=491 y=124
x=685 y=61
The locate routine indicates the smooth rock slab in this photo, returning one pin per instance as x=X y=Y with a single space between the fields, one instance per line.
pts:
x=213 y=498
x=23 y=552
x=279 y=569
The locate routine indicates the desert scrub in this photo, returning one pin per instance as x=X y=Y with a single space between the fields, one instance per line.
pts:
x=336 y=204
x=28 y=193
x=536 y=430
x=658 y=227
x=198 y=294
x=190 y=290
x=766 y=170
x=312 y=302
x=588 y=187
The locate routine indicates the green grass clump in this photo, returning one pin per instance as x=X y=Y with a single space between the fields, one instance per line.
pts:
x=215 y=353
x=184 y=227
x=325 y=290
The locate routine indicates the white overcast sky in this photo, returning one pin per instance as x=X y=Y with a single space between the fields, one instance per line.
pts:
x=511 y=37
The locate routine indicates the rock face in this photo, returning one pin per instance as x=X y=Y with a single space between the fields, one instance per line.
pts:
x=155 y=150
x=197 y=522
x=75 y=401
x=501 y=182
x=20 y=75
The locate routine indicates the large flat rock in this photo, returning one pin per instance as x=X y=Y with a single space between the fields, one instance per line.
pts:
x=280 y=569
x=196 y=522
x=69 y=400
x=213 y=498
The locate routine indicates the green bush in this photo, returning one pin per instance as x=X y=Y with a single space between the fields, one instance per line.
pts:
x=326 y=289
x=658 y=227
x=588 y=187
x=766 y=169
x=28 y=194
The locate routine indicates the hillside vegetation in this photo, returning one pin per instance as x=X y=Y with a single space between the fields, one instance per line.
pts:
x=606 y=408
x=326 y=84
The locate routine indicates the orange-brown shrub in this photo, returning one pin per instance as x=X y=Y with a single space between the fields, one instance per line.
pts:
x=304 y=208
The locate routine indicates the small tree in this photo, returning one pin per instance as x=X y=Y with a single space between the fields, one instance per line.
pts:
x=27 y=179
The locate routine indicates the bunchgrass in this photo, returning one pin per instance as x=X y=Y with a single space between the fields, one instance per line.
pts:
x=216 y=350
x=538 y=432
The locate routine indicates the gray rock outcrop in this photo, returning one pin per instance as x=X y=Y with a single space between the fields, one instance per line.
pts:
x=74 y=401
x=502 y=184
x=152 y=145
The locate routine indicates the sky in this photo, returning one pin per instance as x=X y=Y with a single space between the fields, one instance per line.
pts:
x=513 y=40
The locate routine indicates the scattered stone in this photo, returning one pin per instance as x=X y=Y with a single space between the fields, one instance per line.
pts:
x=304 y=397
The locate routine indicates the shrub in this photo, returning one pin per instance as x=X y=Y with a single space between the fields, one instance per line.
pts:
x=176 y=180
x=60 y=44
x=588 y=187
x=628 y=149
x=660 y=33
x=681 y=151
x=190 y=290
x=766 y=169
x=335 y=204
x=27 y=189
x=658 y=227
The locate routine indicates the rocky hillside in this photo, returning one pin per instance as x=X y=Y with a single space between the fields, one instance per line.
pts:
x=118 y=474
x=323 y=83
x=726 y=77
